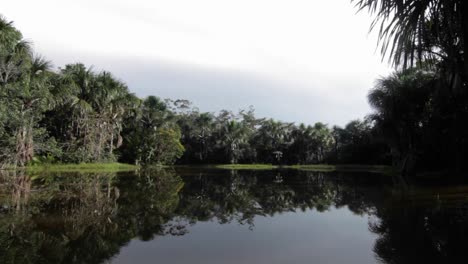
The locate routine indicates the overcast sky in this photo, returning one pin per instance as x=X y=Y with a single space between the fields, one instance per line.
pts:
x=295 y=60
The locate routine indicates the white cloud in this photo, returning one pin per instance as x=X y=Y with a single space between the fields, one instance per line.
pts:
x=311 y=45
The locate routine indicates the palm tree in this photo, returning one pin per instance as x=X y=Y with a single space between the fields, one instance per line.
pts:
x=24 y=94
x=154 y=137
x=419 y=29
x=323 y=139
x=232 y=139
x=203 y=127
x=401 y=104
x=272 y=139
x=415 y=31
x=26 y=99
x=75 y=92
x=111 y=102
x=15 y=53
x=8 y=33
x=432 y=34
x=34 y=98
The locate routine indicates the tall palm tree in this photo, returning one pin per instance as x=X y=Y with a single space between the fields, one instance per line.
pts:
x=28 y=98
x=24 y=93
x=15 y=53
x=272 y=138
x=232 y=137
x=401 y=103
x=111 y=103
x=203 y=127
x=96 y=104
x=323 y=140
x=8 y=33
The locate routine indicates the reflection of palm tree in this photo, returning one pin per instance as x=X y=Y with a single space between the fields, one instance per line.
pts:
x=83 y=218
x=421 y=234
x=87 y=218
x=20 y=185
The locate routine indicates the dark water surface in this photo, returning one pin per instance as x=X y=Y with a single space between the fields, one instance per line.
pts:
x=218 y=216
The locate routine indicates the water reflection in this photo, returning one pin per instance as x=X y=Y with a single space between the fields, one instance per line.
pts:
x=423 y=226
x=89 y=217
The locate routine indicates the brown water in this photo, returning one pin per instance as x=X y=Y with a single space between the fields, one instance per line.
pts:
x=218 y=216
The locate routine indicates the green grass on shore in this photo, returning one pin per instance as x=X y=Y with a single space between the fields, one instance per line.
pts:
x=345 y=167
x=115 y=167
x=315 y=167
x=245 y=166
x=83 y=167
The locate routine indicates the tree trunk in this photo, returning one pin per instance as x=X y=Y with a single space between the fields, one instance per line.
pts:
x=30 y=142
x=464 y=8
x=99 y=143
x=21 y=143
x=111 y=148
x=20 y=147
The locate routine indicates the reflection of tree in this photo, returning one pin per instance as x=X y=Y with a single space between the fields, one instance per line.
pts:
x=240 y=196
x=87 y=218
x=421 y=229
x=80 y=218
x=428 y=228
x=148 y=201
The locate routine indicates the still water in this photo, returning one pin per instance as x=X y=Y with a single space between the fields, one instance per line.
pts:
x=219 y=216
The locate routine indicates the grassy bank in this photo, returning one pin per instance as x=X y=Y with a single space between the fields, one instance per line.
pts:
x=245 y=166
x=315 y=167
x=115 y=167
x=83 y=167
x=345 y=167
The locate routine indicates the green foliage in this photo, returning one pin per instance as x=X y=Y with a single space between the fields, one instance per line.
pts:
x=161 y=146
x=421 y=31
x=419 y=121
x=420 y=110
x=75 y=115
x=358 y=143
x=25 y=82
x=151 y=135
x=89 y=112
x=79 y=115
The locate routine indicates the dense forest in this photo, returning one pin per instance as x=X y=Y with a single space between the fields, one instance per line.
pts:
x=75 y=114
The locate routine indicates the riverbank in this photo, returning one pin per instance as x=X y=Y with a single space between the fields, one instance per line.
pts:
x=82 y=167
x=315 y=167
x=116 y=167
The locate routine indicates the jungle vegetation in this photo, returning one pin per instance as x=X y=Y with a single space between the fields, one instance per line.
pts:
x=421 y=109
x=76 y=114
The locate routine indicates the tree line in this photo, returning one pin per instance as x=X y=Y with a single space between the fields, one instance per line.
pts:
x=418 y=121
x=242 y=138
x=76 y=114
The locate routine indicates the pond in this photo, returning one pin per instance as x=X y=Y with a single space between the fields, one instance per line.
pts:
x=221 y=216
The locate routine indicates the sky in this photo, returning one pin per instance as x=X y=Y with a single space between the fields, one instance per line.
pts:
x=300 y=61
